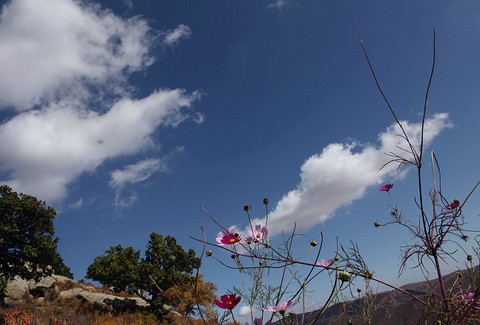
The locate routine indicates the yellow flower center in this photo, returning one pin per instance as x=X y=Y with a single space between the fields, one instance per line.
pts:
x=232 y=240
x=258 y=236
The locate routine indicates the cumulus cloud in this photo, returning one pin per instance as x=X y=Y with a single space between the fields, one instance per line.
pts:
x=54 y=48
x=244 y=311
x=172 y=37
x=43 y=151
x=342 y=173
x=57 y=55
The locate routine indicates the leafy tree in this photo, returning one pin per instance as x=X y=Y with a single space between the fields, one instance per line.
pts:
x=28 y=247
x=165 y=261
x=188 y=294
x=117 y=268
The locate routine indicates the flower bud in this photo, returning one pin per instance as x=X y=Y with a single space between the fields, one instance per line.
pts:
x=313 y=243
x=376 y=224
x=265 y=201
x=368 y=274
x=344 y=276
x=469 y=258
x=209 y=252
x=246 y=207
x=359 y=290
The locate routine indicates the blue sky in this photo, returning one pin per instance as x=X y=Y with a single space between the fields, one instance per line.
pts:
x=123 y=114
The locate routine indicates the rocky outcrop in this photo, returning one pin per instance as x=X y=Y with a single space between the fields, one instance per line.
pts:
x=19 y=290
x=105 y=300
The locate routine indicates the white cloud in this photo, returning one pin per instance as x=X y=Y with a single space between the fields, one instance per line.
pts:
x=76 y=205
x=279 y=4
x=54 y=48
x=56 y=58
x=342 y=173
x=136 y=173
x=172 y=37
x=122 y=202
x=43 y=151
x=244 y=311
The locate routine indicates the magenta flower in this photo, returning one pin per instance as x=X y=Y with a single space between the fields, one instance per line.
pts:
x=259 y=321
x=470 y=296
x=228 y=237
x=283 y=306
x=386 y=188
x=227 y=302
x=466 y=296
x=455 y=204
x=326 y=263
x=258 y=234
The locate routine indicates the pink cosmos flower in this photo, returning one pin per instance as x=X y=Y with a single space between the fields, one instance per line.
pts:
x=259 y=321
x=282 y=306
x=228 y=237
x=455 y=204
x=228 y=302
x=326 y=263
x=466 y=296
x=386 y=188
x=258 y=234
x=470 y=296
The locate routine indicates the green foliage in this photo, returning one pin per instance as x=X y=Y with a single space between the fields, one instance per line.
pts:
x=28 y=247
x=166 y=262
x=117 y=268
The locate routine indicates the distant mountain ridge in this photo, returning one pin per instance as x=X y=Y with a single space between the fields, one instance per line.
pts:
x=395 y=308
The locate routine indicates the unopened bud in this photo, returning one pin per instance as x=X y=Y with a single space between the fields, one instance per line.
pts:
x=376 y=224
x=313 y=243
x=469 y=258
x=246 y=207
x=344 y=276
x=265 y=201
x=209 y=252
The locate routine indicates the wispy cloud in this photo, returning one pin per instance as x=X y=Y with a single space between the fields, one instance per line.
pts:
x=173 y=37
x=279 y=4
x=56 y=56
x=136 y=173
x=75 y=205
x=342 y=173
x=133 y=174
